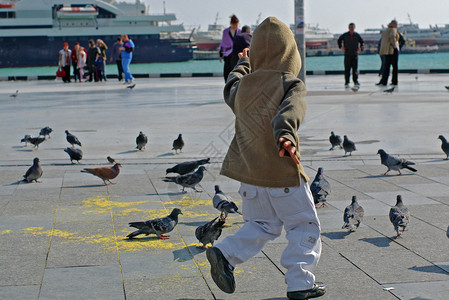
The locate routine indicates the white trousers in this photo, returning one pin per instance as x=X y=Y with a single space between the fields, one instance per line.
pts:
x=265 y=211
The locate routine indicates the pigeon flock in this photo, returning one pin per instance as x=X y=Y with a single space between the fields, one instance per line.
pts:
x=190 y=174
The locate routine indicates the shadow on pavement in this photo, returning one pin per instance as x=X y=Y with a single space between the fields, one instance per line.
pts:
x=429 y=269
x=380 y=241
x=186 y=253
x=336 y=235
x=129 y=151
x=82 y=186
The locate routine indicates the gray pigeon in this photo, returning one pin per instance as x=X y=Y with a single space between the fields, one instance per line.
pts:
x=224 y=204
x=15 y=95
x=444 y=146
x=189 y=180
x=320 y=188
x=36 y=141
x=355 y=88
x=390 y=90
x=399 y=216
x=335 y=141
x=393 y=163
x=131 y=86
x=158 y=226
x=447 y=232
x=46 y=131
x=141 y=141
x=73 y=140
x=34 y=172
x=26 y=139
x=447 y=87
x=353 y=215
x=348 y=145
x=74 y=153
x=187 y=167
x=209 y=232
x=178 y=144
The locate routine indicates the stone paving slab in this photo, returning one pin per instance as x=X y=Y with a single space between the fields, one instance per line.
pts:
x=65 y=238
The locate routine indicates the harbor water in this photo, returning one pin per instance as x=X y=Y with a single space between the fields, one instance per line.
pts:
x=321 y=63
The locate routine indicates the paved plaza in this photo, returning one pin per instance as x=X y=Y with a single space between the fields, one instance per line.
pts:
x=65 y=238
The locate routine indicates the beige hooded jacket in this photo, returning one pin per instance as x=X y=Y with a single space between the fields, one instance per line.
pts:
x=268 y=101
x=390 y=38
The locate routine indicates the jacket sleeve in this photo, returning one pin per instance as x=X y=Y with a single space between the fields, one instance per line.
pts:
x=291 y=111
x=230 y=90
x=340 y=40
x=362 y=42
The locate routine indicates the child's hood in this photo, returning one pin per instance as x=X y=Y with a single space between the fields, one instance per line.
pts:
x=273 y=47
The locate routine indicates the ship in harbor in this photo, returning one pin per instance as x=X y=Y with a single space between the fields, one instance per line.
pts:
x=33 y=31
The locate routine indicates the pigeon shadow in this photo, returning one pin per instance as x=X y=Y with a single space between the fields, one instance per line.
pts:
x=17 y=147
x=187 y=253
x=26 y=150
x=435 y=160
x=429 y=269
x=66 y=164
x=277 y=298
x=194 y=224
x=381 y=241
x=82 y=186
x=166 y=154
x=336 y=235
x=16 y=183
x=381 y=175
x=57 y=148
x=127 y=152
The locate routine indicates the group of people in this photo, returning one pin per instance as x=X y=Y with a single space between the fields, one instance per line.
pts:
x=389 y=46
x=233 y=42
x=90 y=64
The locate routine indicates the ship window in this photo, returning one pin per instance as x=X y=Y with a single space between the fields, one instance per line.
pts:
x=7 y=14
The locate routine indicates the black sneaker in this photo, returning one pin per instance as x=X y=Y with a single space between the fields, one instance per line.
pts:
x=380 y=84
x=221 y=270
x=318 y=290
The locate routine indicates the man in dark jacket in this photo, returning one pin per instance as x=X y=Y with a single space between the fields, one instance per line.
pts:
x=351 y=43
x=91 y=56
x=241 y=41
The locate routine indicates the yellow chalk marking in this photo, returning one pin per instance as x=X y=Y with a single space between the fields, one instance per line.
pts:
x=6 y=231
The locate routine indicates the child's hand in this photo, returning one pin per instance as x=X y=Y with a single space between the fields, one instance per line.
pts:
x=287 y=146
x=244 y=53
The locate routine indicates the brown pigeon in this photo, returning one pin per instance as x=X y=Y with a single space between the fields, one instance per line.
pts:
x=105 y=173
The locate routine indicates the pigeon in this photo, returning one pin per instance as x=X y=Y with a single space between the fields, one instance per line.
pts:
x=15 y=95
x=157 y=226
x=209 y=232
x=224 y=204
x=447 y=87
x=110 y=159
x=188 y=180
x=444 y=146
x=335 y=141
x=26 y=139
x=390 y=90
x=36 y=141
x=105 y=173
x=73 y=140
x=320 y=188
x=131 y=86
x=187 y=167
x=348 y=145
x=353 y=215
x=399 y=216
x=178 y=144
x=46 y=131
x=34 y=172
x=141 y=141
x=393 y=163
x=74 y=153
x=355 y=89
x=447 y=232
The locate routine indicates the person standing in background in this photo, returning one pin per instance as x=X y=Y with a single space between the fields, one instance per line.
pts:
x=101 y=48
x=116 y=57
x=65 y=61
x=390 y=48
x=127 y=56
x=241 y=41
x=351 y=43
x=226 y=45
x=74 y=57
x=91 y=56
x=82 y=57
